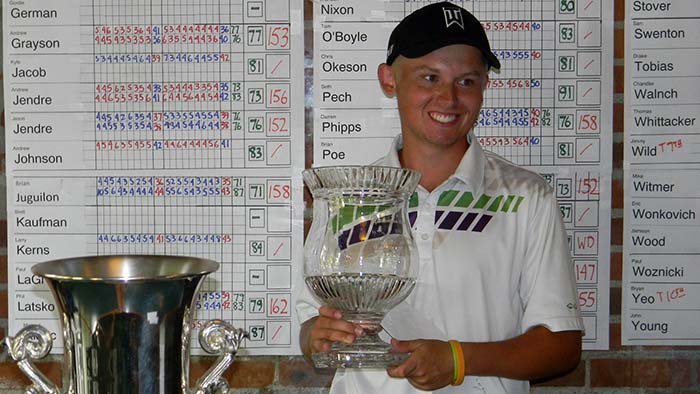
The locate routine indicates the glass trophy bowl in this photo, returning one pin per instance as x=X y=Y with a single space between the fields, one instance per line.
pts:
x=359 y=255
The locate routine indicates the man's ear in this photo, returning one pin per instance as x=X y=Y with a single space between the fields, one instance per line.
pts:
x=386 y=79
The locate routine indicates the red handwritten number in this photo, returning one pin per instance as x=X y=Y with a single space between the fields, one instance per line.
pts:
x=278 y=306
x=197 y=324
x=279 y=37
x=587 y=299
x=585 y=272
x=278 y=125
x=279 y=96
x=279 y=191
x=588 y=186
x=588 y=122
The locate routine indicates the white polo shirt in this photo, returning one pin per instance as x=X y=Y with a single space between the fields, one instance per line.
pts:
x=494 y=262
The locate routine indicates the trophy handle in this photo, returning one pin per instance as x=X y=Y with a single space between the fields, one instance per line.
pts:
x=218 y=337
x=33 y=342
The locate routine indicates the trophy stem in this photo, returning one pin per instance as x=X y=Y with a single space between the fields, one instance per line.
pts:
x=368 y=351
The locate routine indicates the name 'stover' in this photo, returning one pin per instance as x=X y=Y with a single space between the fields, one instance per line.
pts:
x=650 y=6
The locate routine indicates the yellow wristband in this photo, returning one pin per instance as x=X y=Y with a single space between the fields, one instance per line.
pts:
x=458 y=359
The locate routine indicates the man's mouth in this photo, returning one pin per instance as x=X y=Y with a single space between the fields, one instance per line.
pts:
x=442 y=118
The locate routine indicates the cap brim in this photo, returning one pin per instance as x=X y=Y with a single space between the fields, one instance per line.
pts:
x=425 y=47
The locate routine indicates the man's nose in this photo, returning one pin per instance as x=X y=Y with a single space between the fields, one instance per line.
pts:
x=447 y=93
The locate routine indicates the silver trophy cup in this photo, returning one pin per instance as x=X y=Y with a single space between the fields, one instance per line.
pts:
x=126 y=327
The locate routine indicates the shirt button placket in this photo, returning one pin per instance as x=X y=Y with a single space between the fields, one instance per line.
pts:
x=426 y=224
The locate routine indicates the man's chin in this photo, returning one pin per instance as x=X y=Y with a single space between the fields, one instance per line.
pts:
x=446 y=142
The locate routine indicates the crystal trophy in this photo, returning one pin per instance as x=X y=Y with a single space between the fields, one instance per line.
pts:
x=359 y=255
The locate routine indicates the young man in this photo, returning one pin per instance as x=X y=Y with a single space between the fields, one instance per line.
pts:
x=495 y=273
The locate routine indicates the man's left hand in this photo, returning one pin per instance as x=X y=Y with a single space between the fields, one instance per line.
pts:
x=430 y=365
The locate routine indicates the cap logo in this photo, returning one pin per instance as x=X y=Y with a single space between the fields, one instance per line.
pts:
x=453 y=16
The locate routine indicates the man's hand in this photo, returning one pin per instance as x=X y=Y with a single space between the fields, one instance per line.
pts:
x=319 y=334
x=430 y=365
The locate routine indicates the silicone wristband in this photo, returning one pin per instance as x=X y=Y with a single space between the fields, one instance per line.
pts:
x=458 y=359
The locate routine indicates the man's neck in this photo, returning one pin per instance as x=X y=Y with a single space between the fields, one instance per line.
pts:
x=435 y=165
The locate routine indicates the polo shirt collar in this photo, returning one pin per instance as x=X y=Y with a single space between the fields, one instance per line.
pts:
x=471 y=168
x=469 y=171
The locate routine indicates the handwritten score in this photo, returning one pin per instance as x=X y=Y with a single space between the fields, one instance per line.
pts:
x=661 y=276
x=159 y=127
x=549 y=108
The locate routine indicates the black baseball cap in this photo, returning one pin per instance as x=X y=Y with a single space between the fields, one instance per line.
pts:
x=435 y=26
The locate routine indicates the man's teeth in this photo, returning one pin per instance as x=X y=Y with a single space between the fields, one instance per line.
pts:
x=443 y=118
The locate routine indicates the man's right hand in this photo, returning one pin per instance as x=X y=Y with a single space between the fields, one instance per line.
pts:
x=319 y=333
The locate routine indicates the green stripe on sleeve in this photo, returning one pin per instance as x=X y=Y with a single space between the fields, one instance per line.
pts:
x=517 y=204
x=495 y=204
x=506 y=204
x=483 y=200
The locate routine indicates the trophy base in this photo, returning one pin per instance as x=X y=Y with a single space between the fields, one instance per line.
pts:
x=368 y=352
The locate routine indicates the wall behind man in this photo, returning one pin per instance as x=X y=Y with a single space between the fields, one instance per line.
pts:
x=621 y=370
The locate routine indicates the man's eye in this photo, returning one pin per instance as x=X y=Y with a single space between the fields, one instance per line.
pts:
x=467 y=82
x=430 y=78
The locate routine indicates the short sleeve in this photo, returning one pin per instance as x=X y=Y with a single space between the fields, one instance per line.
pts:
x=548 y=288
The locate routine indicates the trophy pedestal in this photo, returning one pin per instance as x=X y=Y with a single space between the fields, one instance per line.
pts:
x=368 y=351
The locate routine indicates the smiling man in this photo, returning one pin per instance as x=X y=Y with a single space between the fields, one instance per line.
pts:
x=495 y=304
